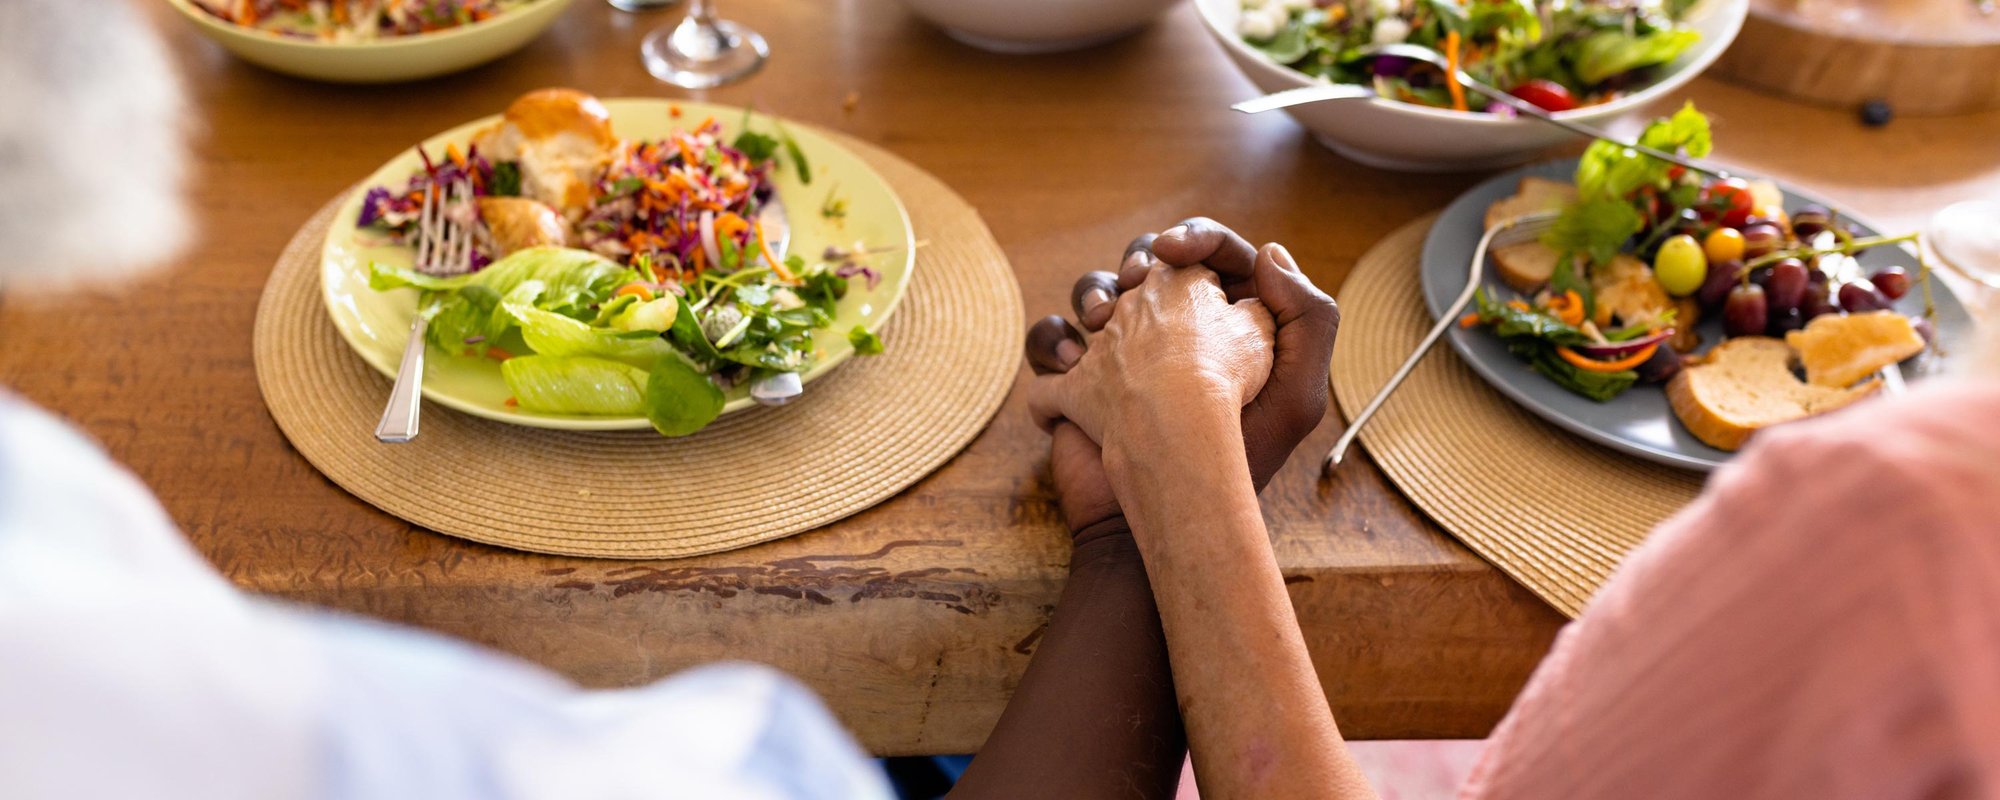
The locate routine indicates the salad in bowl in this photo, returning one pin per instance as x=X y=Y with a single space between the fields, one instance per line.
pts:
x=1557 y=54
x=1588 y=61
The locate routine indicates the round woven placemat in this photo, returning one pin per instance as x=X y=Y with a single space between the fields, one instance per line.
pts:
x=859 y=435
x=1553 y=511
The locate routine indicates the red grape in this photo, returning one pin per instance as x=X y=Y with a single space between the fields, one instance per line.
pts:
x=1761 y=239
x=1810 y=221
x=1788 y=284
x=1861 y=296
x=1893 y=282
x=1784 y=320
x=1818 y=301
x=1722 y=277
x=1746 y=313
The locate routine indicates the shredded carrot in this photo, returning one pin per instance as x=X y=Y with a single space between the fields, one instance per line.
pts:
x=777 y=265
x=1588 y=364
x=1468 y=320
x=511 y=402
x=674 y=111
x=637 y=289
x=1519 y=306
x=1567 y=307
x=1451 y=48
x=498 y=354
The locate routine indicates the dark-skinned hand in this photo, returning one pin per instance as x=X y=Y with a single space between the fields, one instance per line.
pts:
x=1290 y=405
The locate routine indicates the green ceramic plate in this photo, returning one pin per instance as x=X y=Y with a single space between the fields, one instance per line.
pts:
x=377 y=324
x=401 y=58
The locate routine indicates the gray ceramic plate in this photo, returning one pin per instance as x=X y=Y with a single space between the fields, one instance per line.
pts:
x=1639 y=421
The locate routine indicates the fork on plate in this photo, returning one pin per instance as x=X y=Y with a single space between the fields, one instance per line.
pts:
x=444 y=247
x=1524 y=228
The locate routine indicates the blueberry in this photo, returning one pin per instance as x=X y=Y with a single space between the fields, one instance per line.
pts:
x=1876 y=113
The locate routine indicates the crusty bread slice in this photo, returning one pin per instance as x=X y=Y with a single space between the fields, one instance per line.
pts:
x=1840 y=349
x=1531 y=196
x=1528 y=265
x=1745 y=385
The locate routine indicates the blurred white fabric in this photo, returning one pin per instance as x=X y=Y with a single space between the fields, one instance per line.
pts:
x=129 y=668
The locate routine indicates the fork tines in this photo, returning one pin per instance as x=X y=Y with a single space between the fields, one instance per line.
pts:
x=444 y=247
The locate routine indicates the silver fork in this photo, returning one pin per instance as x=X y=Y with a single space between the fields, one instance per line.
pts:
x=1348 y=91
x=443 y=247
x=1511 y=231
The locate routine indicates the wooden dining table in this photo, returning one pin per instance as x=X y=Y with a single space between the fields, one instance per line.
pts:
x=914 y=619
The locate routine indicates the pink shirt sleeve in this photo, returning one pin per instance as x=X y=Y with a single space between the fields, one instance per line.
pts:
x=1824 y=622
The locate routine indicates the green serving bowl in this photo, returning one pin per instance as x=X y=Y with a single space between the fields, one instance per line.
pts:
x=388 y=60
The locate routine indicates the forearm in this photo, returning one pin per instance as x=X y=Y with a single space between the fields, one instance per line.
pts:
x=1094 y=716
x=1250 y=699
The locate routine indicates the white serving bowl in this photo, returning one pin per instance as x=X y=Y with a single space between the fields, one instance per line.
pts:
x=1414 y=138
x=1037 y=26
x=386 y=60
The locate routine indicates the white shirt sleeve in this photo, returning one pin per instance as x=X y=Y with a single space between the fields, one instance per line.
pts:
x=128 y=668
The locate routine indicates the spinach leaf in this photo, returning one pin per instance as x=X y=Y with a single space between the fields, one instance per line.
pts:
x=865 y=343
x=679 y=398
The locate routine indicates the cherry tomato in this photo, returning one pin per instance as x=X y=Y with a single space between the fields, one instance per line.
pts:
x=1725 y=244
x=1733 y=199
x=1680 y=266
x=1549 y=95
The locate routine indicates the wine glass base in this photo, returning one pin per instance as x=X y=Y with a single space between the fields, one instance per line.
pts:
x=742 y=53
x=642 y=5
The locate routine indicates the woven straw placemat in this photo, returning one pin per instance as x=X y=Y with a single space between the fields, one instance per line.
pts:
x=1553 y=511
x=859 y=434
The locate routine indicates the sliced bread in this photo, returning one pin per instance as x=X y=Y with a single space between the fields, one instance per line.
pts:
x=1745 y=385
x=1528 y=265
x=1840 y=349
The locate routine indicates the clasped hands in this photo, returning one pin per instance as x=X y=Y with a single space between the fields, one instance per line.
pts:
x=1198 y=331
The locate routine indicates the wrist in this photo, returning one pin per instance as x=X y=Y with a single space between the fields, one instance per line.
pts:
x=1107 y=544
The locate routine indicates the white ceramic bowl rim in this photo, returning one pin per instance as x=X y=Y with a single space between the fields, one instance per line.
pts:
x=412 y=40
x=1663 y=84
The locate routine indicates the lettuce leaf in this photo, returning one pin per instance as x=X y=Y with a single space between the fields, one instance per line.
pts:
x=552 y=334
x=1610 y=170
x=1605 y=54
x=573 y=280
x=679 y=398
x=576 y=385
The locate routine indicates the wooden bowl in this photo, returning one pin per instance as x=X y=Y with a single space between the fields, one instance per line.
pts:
x=1921 y=56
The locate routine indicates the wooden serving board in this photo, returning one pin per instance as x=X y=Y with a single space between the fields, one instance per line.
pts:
x=1924 y=57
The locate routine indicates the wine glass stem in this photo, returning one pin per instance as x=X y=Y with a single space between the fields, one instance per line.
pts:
x=702 y=12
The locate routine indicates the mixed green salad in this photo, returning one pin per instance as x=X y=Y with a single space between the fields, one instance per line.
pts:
x=577 y=333
x=1557 y=54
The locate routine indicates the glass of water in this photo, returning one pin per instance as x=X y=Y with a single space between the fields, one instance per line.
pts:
x=702 y=51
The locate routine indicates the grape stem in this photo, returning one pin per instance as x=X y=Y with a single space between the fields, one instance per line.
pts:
x=1847 y=247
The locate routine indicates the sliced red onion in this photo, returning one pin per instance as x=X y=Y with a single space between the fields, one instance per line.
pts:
x=708 y=244
x=1615 y=350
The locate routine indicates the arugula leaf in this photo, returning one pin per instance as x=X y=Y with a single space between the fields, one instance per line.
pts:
x=797 y=153
x=686 y=332
x=1599 y=386
x=758 y=147
x=1534 y=336
x=680 y=399
x=506 y=180
x=1595 y=228
x=865 y=343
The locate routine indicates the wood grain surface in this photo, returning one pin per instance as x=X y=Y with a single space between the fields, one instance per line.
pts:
x=913 y=619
